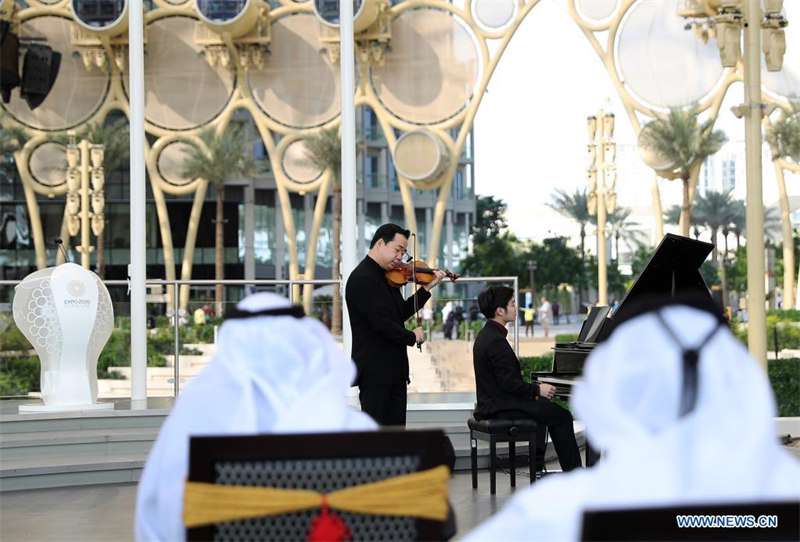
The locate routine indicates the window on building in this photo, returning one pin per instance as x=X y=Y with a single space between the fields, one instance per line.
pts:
x=707 y=182
x=728 y=174
x=371 y=178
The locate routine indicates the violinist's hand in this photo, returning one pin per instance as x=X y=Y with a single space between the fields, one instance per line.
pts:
x=419 y=334
x=438 y=275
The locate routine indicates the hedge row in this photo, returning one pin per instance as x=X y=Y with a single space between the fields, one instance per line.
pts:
x=784 y=376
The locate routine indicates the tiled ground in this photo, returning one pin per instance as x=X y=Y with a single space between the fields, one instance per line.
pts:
x=105 y=513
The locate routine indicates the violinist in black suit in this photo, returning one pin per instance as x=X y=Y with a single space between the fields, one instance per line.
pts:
x=377 y=314
x=500 y=389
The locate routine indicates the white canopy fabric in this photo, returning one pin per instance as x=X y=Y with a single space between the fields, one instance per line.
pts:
x=270 y=374
x=725 y=450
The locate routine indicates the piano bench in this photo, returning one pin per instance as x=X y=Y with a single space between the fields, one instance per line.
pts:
x=501 y=430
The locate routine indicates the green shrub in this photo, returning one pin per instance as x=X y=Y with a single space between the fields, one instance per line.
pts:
x=530 y=364
x=18 y=376
x=788 y=334
x=117 y=353
x=543 y=363
x=566 y=337
x=784 y=375
x=475 y=326
x=785 y=315
x=13 y=339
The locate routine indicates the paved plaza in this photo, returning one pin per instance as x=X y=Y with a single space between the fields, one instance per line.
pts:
x=105 y=513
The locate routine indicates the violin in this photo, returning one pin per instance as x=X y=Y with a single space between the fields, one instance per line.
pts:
x=415 y=271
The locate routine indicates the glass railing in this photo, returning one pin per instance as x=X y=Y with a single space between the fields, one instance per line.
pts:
x=181 y=342
x=376 y=180
x=374 y=134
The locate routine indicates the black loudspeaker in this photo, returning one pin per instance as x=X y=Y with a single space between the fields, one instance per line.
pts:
x=9 y=61
x=39 y=71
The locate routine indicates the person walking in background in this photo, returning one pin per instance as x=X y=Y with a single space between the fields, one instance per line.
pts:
x=427 y=315
x=529 y=316
x=199 y=316
x=473 y=312
x=447 y=320
x=556 y=309
x=545 y=315
x=458 y=317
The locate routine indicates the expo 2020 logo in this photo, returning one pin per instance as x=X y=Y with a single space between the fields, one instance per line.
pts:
x=76 y=288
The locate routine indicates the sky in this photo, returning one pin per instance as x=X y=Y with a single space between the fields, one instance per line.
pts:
x=530 y=129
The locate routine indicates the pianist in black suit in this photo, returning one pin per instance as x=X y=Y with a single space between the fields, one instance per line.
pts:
x=502 y=393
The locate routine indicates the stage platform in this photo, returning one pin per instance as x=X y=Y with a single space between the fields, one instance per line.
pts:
x=63 y=449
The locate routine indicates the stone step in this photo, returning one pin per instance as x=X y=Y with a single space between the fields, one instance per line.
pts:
x=81 y=420
x=157 y=373
x=40 y=450
x=19 y=446
x=71 y=470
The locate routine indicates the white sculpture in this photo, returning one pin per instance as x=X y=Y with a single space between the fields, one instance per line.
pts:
x=66 y=314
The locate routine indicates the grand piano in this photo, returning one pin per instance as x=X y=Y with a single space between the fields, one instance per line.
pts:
x=674 y=267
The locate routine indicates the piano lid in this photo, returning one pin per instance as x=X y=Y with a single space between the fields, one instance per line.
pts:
x=594 y=321
x=674 y=267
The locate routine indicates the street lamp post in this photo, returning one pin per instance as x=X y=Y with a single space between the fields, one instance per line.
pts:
x=730 y=18
x=602 y=177
x=531 y=270
x=85 y=204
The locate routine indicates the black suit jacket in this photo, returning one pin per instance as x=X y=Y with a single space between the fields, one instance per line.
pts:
x=498 y=379
x=377 y=315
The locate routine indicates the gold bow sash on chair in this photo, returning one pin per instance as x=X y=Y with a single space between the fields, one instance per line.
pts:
x=419 y=494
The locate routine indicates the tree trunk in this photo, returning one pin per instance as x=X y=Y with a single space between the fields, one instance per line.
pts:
x=100 y=247
x=685 y=209
x=219 y=250
x=725 y=233
x=788 y=241
x=657 y=210
x=583 y=267
x=714 y=257
x=336 y=317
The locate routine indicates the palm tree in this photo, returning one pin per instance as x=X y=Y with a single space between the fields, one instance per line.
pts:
x=685 y=142
x=224 y=156
x=574 y=206
x=324 y=150
x=783 y=137
x=739 y=220
x=12 y=138
x=715 y=210
x=623 y=228
x=673 y=215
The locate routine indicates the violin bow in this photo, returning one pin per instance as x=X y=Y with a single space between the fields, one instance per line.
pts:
x=414 y=281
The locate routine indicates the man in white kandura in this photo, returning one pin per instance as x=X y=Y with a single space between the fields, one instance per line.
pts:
x=666 y=442
x=274 y=371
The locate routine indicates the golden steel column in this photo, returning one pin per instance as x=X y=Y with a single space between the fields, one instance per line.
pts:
x=85 y=204
x=85 y=247
x=602 y=199
x=752 y=108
